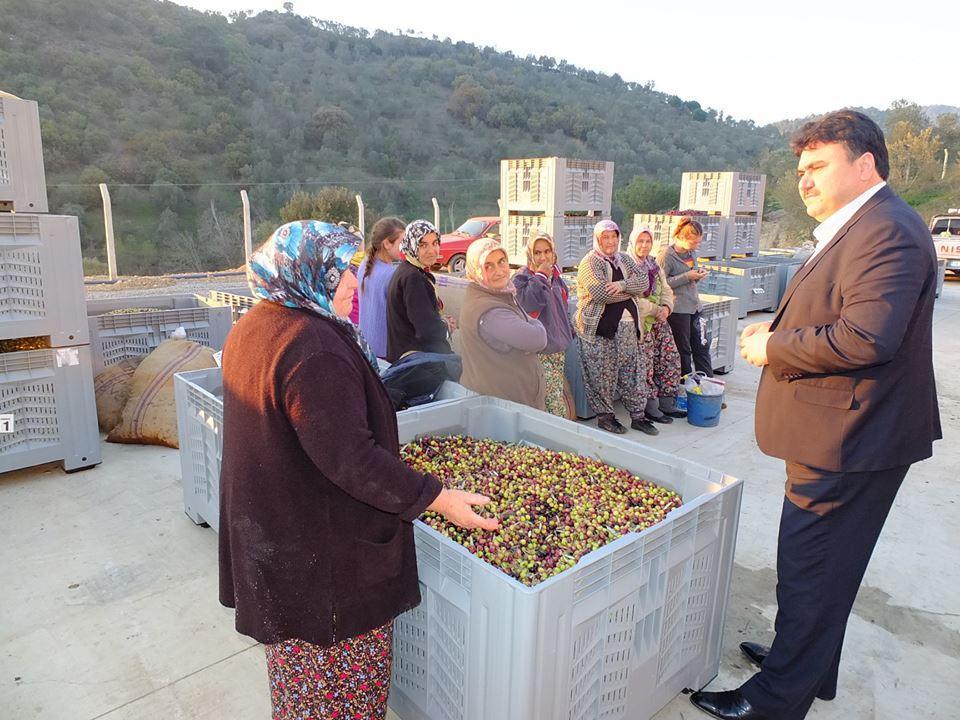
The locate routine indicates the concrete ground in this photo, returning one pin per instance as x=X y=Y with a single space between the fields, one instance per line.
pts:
x=109 y=594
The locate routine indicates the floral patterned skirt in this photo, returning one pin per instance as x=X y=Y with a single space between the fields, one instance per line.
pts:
x=662 y=361
x=347 y=681
x=557 y=393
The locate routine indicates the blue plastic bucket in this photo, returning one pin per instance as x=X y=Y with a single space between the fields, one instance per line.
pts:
x=704 y=410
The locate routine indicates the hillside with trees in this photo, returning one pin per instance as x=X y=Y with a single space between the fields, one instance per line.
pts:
x=177 y=110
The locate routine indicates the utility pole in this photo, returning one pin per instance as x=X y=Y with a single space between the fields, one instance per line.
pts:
x=247 y=234
x=108 y=228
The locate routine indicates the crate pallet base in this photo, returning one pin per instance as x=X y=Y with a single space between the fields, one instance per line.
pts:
x=617 y=636
x=49 y=394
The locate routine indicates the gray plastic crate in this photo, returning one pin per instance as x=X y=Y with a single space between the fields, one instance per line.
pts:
x=618 y=635
x=199 y=399
x=720 y=315
x=117 y=337
x=238 y=302
x=743 y=236
x=23 y=184
x=48 y=396
x=755 y=284
x=554 y=185
x=451 y=289
x=662 y=227
x=41 y=278
x=786 y=268
x=727 y=193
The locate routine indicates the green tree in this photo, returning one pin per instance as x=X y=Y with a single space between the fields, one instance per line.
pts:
x=327 y=126
x=330 y=204
x=643 y=195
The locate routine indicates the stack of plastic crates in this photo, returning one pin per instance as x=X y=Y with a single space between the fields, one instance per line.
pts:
x=559 y=196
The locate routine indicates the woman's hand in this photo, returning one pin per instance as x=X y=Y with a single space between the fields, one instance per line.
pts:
x=451 y=323
x=457 y=507
x=614 y=288
x=697 y=274
x=663 y=313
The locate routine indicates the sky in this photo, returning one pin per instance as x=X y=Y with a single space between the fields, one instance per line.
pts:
x=758 y=60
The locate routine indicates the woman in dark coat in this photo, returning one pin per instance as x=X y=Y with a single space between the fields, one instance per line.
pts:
x=316 y=507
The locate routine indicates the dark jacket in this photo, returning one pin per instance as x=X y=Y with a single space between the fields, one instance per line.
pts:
x=849 y=385
x=413 y=314
x=316 y=540
x=546 y=300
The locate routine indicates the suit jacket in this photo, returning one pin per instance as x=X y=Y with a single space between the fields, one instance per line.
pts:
x=849 y=385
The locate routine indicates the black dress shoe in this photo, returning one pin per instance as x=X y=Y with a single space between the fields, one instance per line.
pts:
x=644 y=426
x=662 y=419
x=678 y=414
x=755 y=652
x=611 y=424
x=727 y=705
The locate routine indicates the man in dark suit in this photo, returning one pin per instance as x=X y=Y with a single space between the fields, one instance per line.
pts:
x=846 y=397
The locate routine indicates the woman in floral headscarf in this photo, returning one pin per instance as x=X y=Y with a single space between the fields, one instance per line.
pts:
x=414 y=323
x=316 y=541
x=661 y=360
x=542 y=293
x=608 y=325
x=499 y=340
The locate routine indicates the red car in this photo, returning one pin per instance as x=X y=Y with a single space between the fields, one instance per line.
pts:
x=453 y=246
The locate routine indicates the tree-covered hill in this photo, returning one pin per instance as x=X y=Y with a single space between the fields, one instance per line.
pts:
x=178 y=109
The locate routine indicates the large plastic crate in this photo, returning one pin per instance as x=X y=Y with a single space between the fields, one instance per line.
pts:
x=572 y=234
x=756 y=284
x=237 y=302
x=727 y=193
x=720 y=313
x=199 y=399
x=786 y=268
x=117 y=337
x=49 y=394
x=41 y=278
x=23 y=185
x=617 y=636
x=743 y=236
x=554 y=185
x=662 y=227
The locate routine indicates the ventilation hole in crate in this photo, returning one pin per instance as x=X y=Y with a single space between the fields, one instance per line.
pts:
x=410 y=650
x=586 y=668
x=448 y=640
x=675 y=610
x=34 y=405
x=21 y=285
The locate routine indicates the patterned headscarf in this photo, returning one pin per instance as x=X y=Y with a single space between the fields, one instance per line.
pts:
x=300 y=266
x=532 y=243
x=415 y=232
x=477 y=255
x=647 y=263
x=598 y=230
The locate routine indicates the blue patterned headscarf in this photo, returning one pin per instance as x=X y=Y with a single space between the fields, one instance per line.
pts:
x=300 y=266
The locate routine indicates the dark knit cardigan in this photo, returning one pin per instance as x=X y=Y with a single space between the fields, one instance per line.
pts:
x=413 y=314
x=316 y=508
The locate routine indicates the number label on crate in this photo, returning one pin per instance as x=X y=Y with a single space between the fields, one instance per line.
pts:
x=6 y=424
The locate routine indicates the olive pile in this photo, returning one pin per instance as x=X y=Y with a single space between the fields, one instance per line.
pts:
x=553 y=507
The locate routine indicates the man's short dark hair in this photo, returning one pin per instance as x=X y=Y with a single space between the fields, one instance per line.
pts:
x=858 y=133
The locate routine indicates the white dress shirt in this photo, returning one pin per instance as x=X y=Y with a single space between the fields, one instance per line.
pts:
x=827 y=230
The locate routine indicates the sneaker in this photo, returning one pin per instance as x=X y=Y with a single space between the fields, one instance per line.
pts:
x=644 y=426
x=611 y=424
x=662 y=419
x=679 y=414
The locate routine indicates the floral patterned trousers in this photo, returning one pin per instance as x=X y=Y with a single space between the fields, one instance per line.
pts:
x=661 y=361
x=613 y=366
x=346 y=681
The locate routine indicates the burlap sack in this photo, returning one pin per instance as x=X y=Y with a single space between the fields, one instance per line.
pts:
x=150 y=415
x=112 y=390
